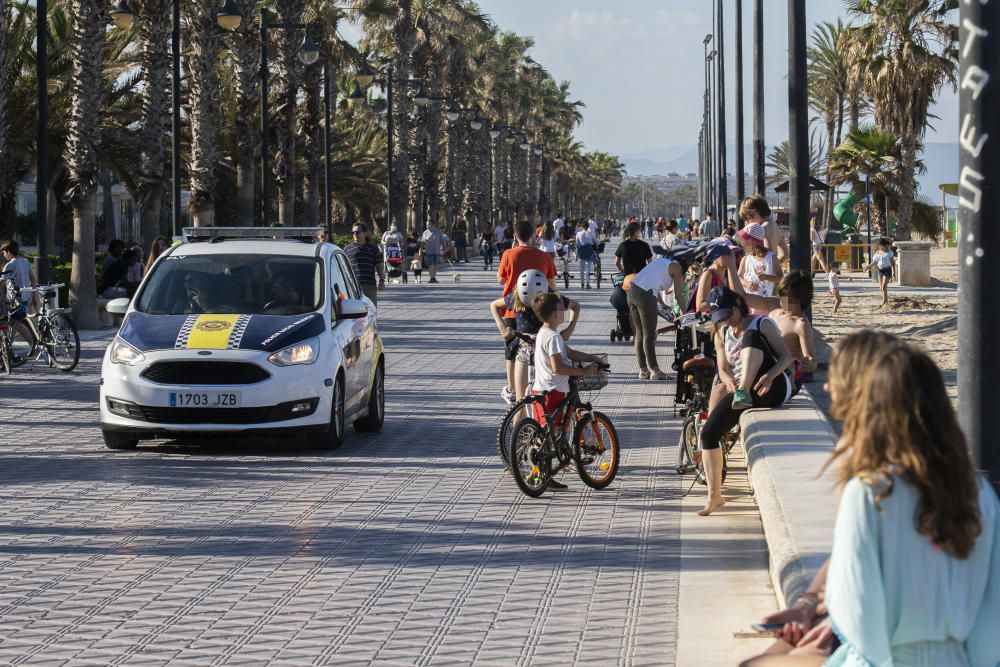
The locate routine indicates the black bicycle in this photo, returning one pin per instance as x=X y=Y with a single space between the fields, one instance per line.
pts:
x=573 y=433
x=55 y=330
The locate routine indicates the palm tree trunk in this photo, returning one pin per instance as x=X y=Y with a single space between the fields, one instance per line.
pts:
x=108 y=205
x=154 y=31
x=82 y=143
x=289 y=76
x=246 y=58
x=908 y=153
x=4 y=125
x=203 y=46
x=828 y=199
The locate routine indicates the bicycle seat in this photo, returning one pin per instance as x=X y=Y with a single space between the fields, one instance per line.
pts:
x=698 y=362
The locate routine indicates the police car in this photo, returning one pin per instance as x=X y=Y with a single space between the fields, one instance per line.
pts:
x=244 y=330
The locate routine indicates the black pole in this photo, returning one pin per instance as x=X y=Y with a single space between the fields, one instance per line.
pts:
x=758 y=96
x=740 y=182
x=720 y=45
x=175 y=122
x=388 y=143
x=701 y=164
x=265 y=198
x=798 y=135
x=327 y=222
x=42 y=158
x=978 y=299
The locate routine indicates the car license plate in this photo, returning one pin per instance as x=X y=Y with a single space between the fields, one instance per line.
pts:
x=205 y=399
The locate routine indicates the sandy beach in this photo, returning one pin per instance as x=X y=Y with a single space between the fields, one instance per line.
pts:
x=923 y=316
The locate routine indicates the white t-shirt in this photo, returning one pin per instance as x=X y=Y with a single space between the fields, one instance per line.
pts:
x=22 y=275
x=585 y=237
x=883 y=259
x=668 y=240
x=498 y=233
x=558 y=224
x=547 y=343
x=392 y=236
x=433 y=240
x=755 y=267
x=547 y=245
x=834 y=282
x=655 y=276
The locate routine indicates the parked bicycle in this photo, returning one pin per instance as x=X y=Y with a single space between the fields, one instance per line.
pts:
x=700 y=377
x=565 y=253
x=573 y=433
x=55 y=331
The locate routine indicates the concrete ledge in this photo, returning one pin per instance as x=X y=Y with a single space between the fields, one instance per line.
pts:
x=786 y=448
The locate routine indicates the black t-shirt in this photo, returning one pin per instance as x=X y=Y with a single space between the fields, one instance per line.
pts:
x=634 y=254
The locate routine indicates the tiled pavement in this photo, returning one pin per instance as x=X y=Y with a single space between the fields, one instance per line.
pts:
x=405 y=547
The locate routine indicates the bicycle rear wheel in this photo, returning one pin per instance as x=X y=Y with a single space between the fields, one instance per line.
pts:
x=597 y=450
x=530 y=460
x=22 y=343
x=505 y=434
x=63 y=342
x=691 y=441
x=5 y=359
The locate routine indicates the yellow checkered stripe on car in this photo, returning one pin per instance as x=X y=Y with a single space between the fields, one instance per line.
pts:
x=212 y=332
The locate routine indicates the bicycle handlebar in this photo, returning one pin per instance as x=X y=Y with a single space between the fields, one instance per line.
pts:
x=42 y=288
x=530 y=340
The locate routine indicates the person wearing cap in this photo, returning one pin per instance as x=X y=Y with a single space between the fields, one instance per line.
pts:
x=759 y=270
x=644 y=291
x=753 y=364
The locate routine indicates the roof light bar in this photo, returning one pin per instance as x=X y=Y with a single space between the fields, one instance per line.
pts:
x=309 y=234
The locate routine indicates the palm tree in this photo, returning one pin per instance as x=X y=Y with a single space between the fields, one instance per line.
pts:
x=204 y=43
x=867 y=151
x=828 y=87
x=5 y=20
x=244 y=44
x=82 y=146
x=153 y=19
x=903 y=54
x=779 y=162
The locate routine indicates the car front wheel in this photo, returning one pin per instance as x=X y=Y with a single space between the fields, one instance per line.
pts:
x=115 y=440
x=333 y=436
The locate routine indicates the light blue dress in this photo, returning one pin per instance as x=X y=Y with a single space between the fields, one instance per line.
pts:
x=895 y=599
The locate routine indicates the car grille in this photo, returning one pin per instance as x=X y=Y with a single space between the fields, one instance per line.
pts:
x=258 y=415
x=204 y=372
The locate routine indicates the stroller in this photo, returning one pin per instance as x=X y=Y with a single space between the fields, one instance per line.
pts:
x=395 y=266
x=620 y=301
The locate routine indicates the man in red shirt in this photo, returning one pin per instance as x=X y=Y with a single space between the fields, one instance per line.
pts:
x=522 y=257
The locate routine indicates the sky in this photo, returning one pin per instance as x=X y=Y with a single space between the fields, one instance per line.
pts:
x=638 y=65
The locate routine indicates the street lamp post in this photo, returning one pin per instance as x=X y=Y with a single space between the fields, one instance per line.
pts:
x=758 y=97
x=740 y=184
x=868 y=213
x=720 y=45
x=798 y=135
x=979 y=300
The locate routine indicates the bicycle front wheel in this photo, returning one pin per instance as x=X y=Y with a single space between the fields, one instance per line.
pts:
x=597 y=450
x=5 y=359
x=530 y=462
x=510 y=420
x=22 y=343
x=63 y=342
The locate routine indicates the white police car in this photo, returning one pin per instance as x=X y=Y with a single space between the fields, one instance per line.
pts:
x=244 y=330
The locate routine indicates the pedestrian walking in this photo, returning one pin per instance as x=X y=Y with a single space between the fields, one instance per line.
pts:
x=432 y=244
x=586 y=251
x=645 y=290
x=834 y=277
x=366 y=260
x=710 y=227
x=883 y=260
x=486 y=241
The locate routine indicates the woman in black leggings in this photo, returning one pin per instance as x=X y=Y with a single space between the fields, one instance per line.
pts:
x=753 y=357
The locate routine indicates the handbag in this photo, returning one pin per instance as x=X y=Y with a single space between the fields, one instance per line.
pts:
x=627 y=283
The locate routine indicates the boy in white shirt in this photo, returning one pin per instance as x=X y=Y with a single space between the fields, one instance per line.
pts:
x=553 y=356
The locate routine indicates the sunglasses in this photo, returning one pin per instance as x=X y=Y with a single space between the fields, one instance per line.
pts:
x=355 y=232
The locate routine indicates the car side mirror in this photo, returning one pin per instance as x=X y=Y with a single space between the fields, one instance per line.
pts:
x=352 y=309
x=118 y=306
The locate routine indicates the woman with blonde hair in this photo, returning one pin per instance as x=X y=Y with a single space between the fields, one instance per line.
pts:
x=914 y=577
x=156 y=248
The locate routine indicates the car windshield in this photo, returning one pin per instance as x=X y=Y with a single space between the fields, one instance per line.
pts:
x=235 y=284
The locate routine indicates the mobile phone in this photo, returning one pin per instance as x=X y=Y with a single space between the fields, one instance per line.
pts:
x=767 y=627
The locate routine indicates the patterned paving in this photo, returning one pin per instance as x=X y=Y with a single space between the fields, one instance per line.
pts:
x=407 y=547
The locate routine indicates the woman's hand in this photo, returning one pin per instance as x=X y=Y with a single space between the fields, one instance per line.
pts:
x=507 y=333
x=730 y=384
x=819 y=637
x=798 y=620
x=764 y=384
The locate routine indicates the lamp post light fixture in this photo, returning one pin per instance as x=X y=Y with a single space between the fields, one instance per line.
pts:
x=228 y=18
x=524 y=142
x=308 y=53
x=452 y=114
x=539 y=150
x=357 y=96
x=495 y=131
x=477 y=123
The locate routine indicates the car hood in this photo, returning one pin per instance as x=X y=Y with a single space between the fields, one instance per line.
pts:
x=266 y=333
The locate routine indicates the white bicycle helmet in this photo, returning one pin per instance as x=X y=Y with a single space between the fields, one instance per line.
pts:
x=530 y=284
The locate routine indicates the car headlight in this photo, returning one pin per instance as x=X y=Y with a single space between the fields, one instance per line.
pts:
x=305 y=352
x=123 y=353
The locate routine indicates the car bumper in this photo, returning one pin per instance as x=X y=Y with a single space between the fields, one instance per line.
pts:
x=295 y=398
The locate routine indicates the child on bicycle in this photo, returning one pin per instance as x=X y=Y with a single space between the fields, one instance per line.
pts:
x=553 y=356
x=529 y=285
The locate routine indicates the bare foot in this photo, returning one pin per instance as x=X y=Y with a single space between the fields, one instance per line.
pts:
x=711 y=506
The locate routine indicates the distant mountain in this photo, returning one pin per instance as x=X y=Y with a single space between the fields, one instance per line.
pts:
x=941 y=160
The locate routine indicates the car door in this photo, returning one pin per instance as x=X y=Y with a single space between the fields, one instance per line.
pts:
x=342 y=287
x=364 y=329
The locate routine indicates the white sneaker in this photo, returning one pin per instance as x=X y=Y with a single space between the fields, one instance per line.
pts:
x=507 y=395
